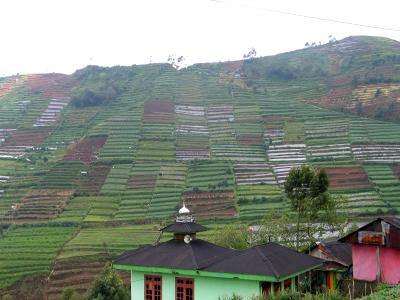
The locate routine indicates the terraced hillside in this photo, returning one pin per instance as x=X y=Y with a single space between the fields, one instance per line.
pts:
x=94 y=163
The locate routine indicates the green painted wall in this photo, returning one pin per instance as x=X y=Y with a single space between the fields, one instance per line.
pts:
x=205 y=288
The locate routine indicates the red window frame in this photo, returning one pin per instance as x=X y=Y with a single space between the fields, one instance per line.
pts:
x=152 y=287
x=184 y=288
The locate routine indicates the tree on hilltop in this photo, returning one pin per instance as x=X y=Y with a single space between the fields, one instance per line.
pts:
x=251 y=54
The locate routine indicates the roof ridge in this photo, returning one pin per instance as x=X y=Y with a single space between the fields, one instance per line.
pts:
x=129 y=252
x=392 y=221
x=266 y=260
x=192 y=256
x=336 y=259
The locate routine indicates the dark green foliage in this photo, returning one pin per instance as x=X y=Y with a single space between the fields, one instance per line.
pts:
x=69 y=294
x=306 y=189
x=291 y=295
x=233 y=236
x=99 y=85
x=108 y=286
x=385 y=292
x=101 y=94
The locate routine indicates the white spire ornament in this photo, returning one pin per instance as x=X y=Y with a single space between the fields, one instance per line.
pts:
x=184 y=215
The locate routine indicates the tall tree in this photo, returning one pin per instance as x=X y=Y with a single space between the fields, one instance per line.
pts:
x=307 y=189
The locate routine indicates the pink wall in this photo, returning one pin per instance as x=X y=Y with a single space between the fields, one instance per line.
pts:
x=390 y=265
x=371 y=262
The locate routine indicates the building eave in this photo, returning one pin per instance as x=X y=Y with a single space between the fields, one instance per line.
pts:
x=188 y=272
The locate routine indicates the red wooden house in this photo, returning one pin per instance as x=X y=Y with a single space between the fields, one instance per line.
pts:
x=376 y=251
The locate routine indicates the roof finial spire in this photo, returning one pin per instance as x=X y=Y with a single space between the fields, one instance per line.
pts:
x=184 y=209
x=184 y=215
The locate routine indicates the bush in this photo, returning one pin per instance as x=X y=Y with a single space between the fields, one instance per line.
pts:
x=69 y=294
x=385 y=292
x=108 y=286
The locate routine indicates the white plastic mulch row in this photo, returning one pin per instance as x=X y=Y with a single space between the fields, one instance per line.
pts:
x=50 y=115
x=191 y=129
x=221 y=113
x=287 y=153
x=254 y=174
x=13 y=152
x=334 y=151
x=282 y=170
x=377 y=153
x=238 y=153
x=190 y=110
x=4 y=179
x=184 y=155
x=274 y=136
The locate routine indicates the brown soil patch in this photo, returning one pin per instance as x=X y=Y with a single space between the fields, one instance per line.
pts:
x=340 y=80
x=26 y=138
x=31 y=288
x=158 y=110
x=78 y=275
x=142 y=182
x=250 y=139
x=51 y=86
x=86 y=149
x=10 y=84
x=95 y=179
x=336 y=98
x=233 y=66
x=211 y=205
x=396 y=171
x=347 y=177
x=40 y=206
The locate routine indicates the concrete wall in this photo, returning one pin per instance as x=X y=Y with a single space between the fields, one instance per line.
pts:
x=205 y=288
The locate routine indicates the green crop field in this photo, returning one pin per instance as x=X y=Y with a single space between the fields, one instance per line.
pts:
x=104 y=174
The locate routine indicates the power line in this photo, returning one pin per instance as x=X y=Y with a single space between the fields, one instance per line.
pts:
x=306 y=16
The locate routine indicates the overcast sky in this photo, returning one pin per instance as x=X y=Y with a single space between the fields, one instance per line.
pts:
x=64 y=35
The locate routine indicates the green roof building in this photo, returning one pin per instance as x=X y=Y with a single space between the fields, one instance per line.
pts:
x=187 y=268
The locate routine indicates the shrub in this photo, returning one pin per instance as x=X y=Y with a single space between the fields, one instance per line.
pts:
x=108 y=286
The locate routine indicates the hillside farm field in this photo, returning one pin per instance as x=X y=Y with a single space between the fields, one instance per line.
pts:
x=81 y=182
x=86 y=150
x=347 y=177
x=211 y=205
